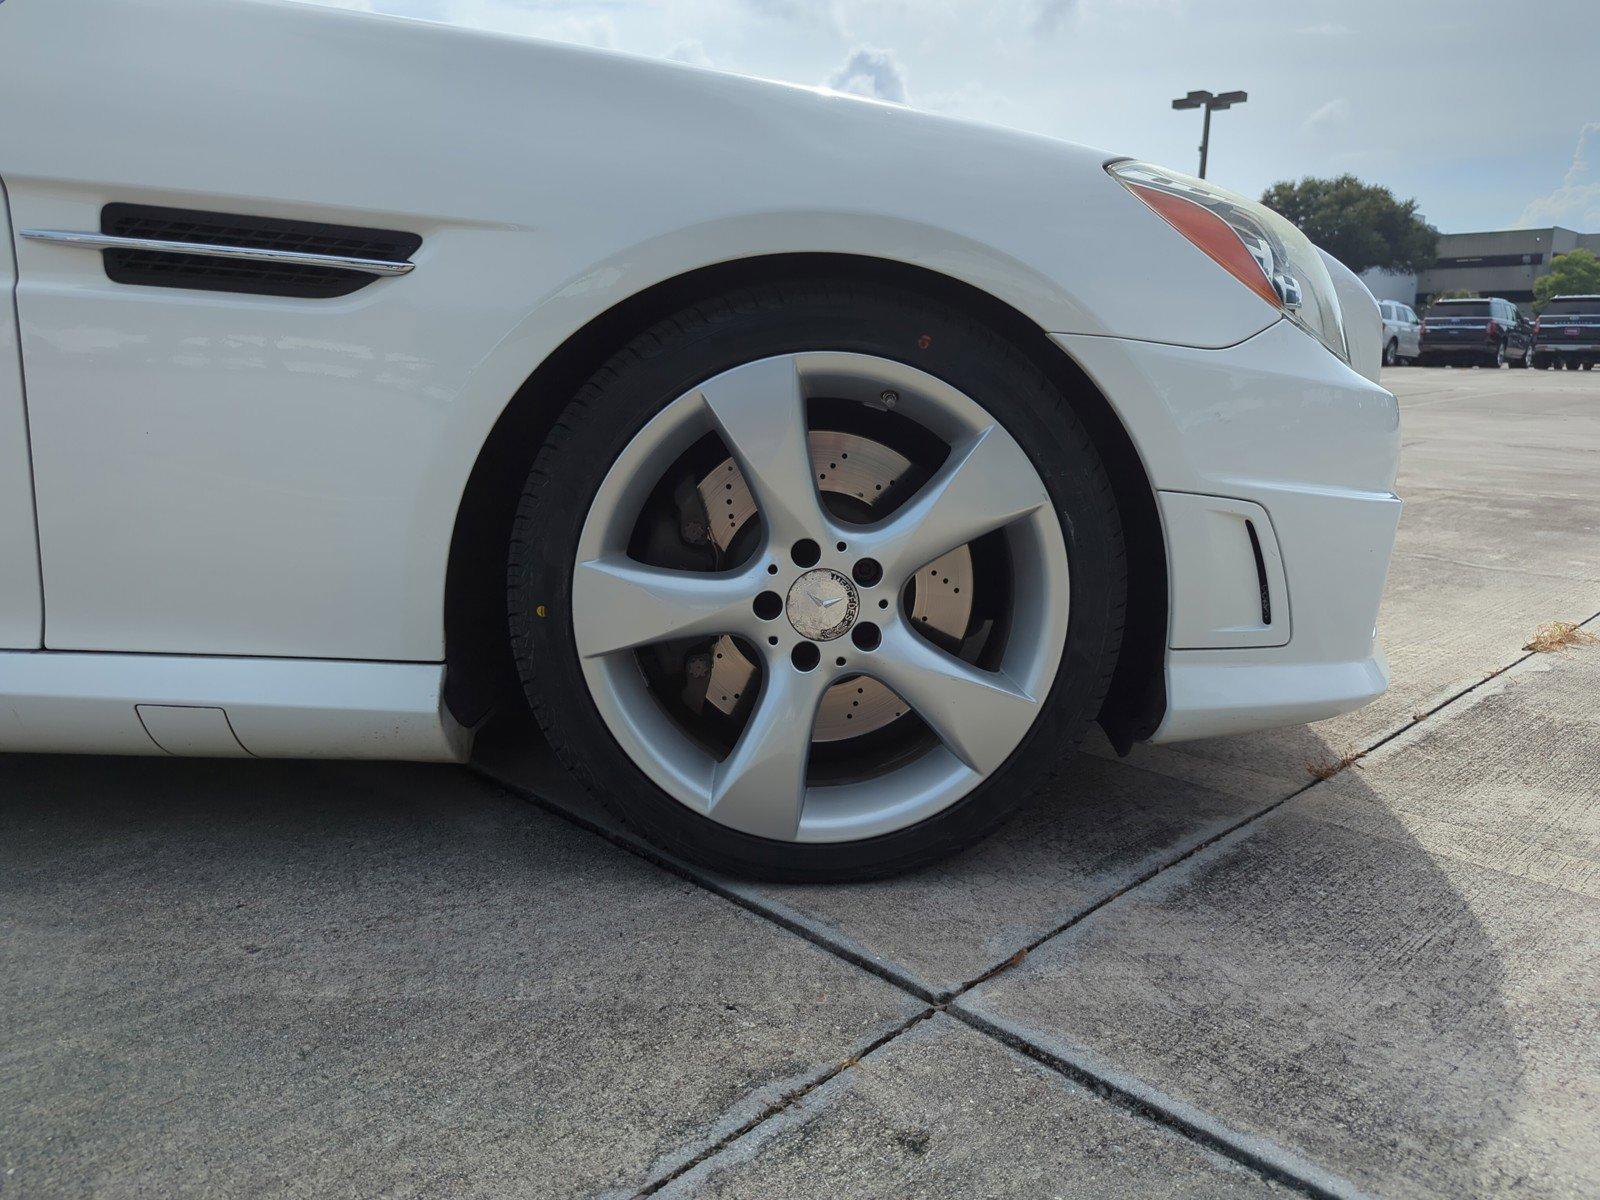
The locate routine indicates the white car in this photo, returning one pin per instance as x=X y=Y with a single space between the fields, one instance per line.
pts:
x=1402 y=332
x=817 y=469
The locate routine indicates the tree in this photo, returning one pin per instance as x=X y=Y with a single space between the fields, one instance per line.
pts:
x=1575 y=273
x=1360 y=224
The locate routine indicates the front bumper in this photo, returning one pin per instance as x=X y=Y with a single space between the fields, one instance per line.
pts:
x=1277 y=438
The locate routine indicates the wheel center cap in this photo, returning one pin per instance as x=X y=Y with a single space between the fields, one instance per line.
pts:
x=822 y=605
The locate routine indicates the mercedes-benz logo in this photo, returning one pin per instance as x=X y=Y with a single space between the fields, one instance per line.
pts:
x=814 y=605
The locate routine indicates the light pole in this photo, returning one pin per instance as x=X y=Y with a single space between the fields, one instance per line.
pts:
x=1211 y=104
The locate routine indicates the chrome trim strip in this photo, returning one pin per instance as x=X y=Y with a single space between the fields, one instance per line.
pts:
x=106 y=241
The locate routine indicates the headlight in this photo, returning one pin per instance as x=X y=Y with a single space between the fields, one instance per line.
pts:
x=1249 y=241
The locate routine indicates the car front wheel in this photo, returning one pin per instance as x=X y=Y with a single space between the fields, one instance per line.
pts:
x=817 y=581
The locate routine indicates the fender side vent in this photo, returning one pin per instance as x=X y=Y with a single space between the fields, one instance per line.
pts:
x=1261 y=572
x=203 y=273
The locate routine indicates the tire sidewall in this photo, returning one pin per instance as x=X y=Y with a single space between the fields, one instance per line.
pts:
x=678 y=356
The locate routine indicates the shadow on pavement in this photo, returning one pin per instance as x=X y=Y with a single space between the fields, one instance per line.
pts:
x=1380 y=977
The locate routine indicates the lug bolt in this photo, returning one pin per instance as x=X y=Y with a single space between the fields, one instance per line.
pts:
x=867 y=572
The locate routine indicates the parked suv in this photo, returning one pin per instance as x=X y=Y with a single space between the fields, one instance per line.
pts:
x=1486 y=333
x=1402 y=333
x=1567 y=333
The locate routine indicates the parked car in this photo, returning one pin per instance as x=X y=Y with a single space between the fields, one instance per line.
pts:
x=1402 y=333
x=1483 y=333
x=1567 y=333
x=814 y=493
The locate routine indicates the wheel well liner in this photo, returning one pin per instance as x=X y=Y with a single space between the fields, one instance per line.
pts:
x=480 y=674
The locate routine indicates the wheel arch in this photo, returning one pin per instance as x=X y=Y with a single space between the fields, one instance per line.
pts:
x=479 y=671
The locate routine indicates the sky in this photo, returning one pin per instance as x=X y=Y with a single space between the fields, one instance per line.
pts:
x=1487 y=113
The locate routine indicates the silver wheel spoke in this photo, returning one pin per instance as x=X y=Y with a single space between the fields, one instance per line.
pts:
x=666 y=722
x=984 y=485
x=760 y=410
x=760 y=787
x=619 y=604
x=979 y=715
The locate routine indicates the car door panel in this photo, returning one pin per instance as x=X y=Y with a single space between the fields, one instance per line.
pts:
x=21 y=601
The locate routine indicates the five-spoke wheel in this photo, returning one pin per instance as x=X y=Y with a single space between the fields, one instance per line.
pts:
x=800 y=611
x=822 y=601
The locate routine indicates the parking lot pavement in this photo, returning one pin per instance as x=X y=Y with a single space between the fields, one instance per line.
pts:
x=944 y=1111
x=295 y=979
x=299 y=978
x=1394 y=973
x=937 y=930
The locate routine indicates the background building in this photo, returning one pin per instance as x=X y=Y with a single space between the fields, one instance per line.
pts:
x=1501 y=263
x=1391 y=285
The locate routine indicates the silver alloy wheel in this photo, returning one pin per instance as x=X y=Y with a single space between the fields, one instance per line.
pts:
x=977 y=714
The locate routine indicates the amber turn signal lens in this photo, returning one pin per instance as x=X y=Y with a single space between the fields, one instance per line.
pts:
x=1213 y=236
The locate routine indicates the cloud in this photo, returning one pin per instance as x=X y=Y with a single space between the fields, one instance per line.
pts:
x=528 y=18
x=1576 y=203
x=586 y=31
x=871 y=73
x=1327 y=120
x=691 y=51
x=805 y=12
x=1051 y=15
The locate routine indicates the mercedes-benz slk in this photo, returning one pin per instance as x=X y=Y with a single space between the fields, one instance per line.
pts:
x=815 y=470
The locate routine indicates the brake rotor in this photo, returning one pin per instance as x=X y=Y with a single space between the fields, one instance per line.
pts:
x=863 y=473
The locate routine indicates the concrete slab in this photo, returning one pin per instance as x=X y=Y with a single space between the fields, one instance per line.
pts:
x=1106 y=826
x=338 y=979
x=1525 y=534
x=943 y=1111
x=1509 y=434
x=1392 y=975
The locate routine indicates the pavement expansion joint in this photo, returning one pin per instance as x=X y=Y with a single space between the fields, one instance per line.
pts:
x=1259 y=1155
x=783 y=1104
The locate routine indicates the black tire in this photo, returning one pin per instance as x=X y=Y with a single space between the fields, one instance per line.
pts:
x=1391 y=352
x=1541 y=363
x=1524 y=360
x=667 y=360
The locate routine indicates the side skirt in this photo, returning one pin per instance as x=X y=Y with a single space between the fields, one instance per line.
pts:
x=70 y=703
